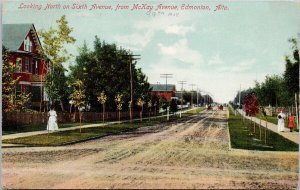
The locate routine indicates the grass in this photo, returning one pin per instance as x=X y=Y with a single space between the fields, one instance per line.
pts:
x=71 y=136
x=36 y=127
x=242 y=136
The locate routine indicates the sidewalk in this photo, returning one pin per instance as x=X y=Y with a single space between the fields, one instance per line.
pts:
x=294 y=136
x=26 y=134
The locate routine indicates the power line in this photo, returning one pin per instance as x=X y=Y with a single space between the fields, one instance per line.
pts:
x=182 y=82
x=166 y=75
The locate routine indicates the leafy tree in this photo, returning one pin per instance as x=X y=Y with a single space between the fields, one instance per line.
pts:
x=54 y=41
x=110 y=68
x=149 y=105
x=291 y=73
x=102 y=99
x=251 y=105
x=140 y=103
x=11 y=102
x=78 y=96
x=173 y=106
x=119 y=102
x=164 y=103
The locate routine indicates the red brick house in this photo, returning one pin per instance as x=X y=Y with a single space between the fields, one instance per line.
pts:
x=23 y=44
x=160 y=90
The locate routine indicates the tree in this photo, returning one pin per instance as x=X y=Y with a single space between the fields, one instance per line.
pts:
x=164 y=103
x=291 y=73
x=119 y=102
x=102 y=99
x=251 y=105
x=141 y=103
x=173 y=106
x=110 y=68
x=149 y=105
x=78 y=97
x=54 y=41
x=10 y=101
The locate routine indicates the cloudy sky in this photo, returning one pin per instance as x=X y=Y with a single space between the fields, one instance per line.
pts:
x=218 y=51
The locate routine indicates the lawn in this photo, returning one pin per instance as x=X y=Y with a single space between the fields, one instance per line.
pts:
x=242 y=136
x=71 y=136
x=36 y=127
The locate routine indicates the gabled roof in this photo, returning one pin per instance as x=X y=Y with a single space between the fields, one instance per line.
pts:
x=14 y=34
x=162 y=87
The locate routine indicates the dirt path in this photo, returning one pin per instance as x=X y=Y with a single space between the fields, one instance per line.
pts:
x=193 y=153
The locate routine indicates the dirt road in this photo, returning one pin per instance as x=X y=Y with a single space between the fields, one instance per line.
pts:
x=193 y=153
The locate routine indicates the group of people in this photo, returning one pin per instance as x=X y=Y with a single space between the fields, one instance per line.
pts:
x=291 y=121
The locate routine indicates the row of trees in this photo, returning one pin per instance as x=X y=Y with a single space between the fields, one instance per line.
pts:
x=103 y=71
x=278 y=90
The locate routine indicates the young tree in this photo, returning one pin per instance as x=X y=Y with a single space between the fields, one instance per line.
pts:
x=54 y=41
x=102 y=99
x=78 y=96
x=119 y=102
x=140 y=103
x=149 y=105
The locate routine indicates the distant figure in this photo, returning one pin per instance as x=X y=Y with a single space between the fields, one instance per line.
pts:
x=291 y=123
x=52 y=122
x=280 y=117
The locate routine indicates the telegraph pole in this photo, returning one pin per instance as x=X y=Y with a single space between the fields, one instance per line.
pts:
x=192 y=94
x=166 y=75
x=133 y=58
x=182 y=83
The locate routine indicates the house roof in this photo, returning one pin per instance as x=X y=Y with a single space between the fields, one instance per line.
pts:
x=14 y=34
x=162 y=87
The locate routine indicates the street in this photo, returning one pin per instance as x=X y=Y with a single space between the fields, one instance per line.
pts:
x=192 y=153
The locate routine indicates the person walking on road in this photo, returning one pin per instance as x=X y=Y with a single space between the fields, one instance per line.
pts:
x=280 y=117
x=52 y=121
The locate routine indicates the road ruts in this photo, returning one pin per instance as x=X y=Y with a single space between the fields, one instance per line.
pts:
x=192 y=153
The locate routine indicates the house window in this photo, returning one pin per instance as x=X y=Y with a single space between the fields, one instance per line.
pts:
x=27 y=44
x=36 y=93
x=19 y=64
x=27 y=64
x=35 y=67
x=18 y=91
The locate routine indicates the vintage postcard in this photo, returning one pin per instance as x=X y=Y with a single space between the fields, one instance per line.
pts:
x=150 y=94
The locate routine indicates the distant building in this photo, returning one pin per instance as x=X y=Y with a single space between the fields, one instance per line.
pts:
x=160 y=90
x=23 y=44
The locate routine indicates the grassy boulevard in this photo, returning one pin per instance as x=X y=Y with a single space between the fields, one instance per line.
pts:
x=243 y=135
x=73 y=136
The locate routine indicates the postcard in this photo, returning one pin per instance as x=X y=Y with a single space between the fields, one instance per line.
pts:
x=158 y=94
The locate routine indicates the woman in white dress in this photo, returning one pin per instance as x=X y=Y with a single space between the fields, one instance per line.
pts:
x=52 y=122
x=280 y=117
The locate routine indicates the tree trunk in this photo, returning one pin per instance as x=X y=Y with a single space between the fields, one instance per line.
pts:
x=103 y=112
x=62 y=105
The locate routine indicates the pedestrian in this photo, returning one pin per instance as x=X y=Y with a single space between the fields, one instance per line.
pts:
x=291 y=122
x=52 y=121
x=280 y=117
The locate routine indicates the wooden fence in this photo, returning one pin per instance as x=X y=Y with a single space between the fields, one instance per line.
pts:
x=26 y=118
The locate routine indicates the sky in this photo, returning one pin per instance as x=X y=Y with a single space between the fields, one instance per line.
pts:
x=220 y=52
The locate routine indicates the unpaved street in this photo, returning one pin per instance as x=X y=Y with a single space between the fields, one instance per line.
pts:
x=193 y=153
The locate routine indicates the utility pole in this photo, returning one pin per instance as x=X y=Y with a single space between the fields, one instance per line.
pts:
x=182 y=83
x=166 y=75
x=192 y=94
x=133 y=58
